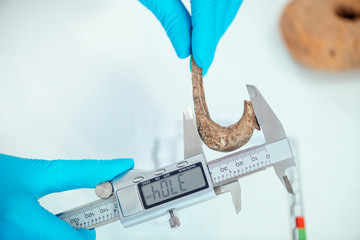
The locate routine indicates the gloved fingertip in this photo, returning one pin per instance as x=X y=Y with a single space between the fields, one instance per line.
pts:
x=66 y=174
x=88 y=234
x=127 y=163
x=130 y=162
x=182 y=46
x=203 y=58
x=183 y=54
x=204 y=70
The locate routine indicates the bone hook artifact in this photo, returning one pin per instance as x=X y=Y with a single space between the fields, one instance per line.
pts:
x=220 y=138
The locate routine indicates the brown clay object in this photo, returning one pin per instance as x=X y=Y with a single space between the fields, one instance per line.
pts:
x=217 y=137
x=323 y=34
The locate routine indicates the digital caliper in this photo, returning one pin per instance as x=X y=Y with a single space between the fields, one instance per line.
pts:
x=138 y=196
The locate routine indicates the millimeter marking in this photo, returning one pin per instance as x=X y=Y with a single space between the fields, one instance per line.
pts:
x=92 y=215
x=234 y=166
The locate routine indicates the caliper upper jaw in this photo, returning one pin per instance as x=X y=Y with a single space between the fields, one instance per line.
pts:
x=234 y=189
x=270 y=124
x=192 y=141
x=273 y=131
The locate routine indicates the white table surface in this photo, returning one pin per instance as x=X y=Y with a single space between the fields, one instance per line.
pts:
x=99 y=79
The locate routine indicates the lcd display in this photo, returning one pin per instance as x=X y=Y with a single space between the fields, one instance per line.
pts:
x=172 y=185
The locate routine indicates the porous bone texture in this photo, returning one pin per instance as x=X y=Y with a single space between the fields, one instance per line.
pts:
x=218 y=137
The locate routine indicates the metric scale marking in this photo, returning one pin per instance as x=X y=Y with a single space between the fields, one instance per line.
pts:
x=173 y=187
x=246 y=162
x=92 y=215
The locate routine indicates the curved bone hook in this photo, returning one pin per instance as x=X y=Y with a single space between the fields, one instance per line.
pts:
x=219 y=138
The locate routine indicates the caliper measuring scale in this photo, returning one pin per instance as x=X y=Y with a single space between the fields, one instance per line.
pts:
x=138 y=196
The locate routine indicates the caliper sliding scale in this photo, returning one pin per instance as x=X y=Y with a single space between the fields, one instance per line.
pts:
x=138 y=196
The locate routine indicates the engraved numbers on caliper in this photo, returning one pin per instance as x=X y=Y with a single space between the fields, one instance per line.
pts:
x=240 y=164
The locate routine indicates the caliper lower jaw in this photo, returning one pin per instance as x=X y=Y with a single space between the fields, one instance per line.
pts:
x=234 y=189
x=280 y=170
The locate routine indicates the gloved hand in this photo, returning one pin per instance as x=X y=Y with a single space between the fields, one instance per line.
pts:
x=24 y=181
x=209 y=20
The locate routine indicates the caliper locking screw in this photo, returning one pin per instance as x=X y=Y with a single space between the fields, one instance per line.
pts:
x=174 y=221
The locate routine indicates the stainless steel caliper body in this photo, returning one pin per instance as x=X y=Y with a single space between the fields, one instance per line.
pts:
x=138 y=196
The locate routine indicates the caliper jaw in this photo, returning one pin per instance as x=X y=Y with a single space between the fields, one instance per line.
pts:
x=192 y=141
x=234 y=189
x=273 y=131
x=280 y=170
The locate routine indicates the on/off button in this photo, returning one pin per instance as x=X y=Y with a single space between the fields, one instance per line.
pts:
x=138 y=179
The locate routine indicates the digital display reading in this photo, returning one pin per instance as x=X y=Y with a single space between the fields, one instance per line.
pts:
x=172 y=185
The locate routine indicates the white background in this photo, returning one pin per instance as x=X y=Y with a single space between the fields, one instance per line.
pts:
x=99 y=79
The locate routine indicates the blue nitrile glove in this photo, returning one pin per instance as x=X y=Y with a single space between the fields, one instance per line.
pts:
x=209 y=20
x=24 y=181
